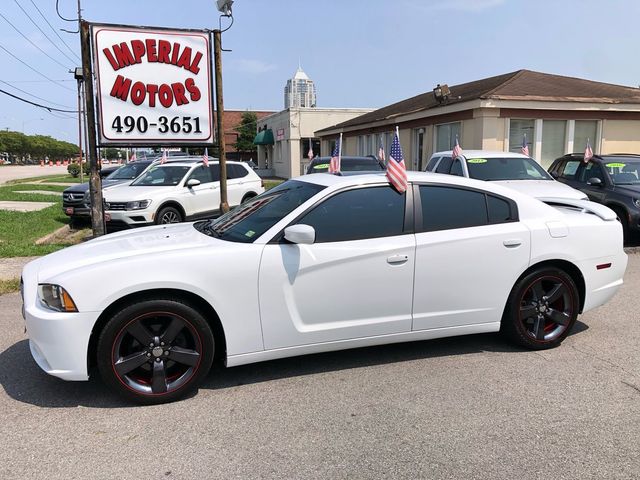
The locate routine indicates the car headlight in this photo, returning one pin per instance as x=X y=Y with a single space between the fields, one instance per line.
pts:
x=138 y=205
x=636 y=202
x=56 y=298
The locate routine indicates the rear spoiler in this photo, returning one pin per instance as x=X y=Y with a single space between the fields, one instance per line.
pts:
x=605 y=213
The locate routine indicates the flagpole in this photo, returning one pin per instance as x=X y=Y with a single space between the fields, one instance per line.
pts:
x=340 y=153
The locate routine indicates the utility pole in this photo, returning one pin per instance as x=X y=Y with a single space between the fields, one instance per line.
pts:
x=77 y=73
x=217 y=54
x=95 y=183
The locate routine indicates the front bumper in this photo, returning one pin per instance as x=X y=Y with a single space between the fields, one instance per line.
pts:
x=76 y=211
x=130 y=218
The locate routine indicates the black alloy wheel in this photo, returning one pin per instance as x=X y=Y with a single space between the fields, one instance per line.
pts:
x=541 y=309
x=155 y=351
x=168 y=215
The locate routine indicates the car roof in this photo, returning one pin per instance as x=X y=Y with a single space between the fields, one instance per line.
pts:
x=483 y=154
x=191 y=160
x=345 y=157
x=580 y=156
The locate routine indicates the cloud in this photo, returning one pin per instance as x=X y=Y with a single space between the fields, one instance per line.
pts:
x=471 y=6
x=251 y=66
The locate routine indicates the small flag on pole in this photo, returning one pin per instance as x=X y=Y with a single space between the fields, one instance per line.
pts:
x=334 y=164
x=588 y=152
x=525 y=146
x=164 y=156
x=396 y=169
x=381 y=152
x=132 y=158
x=457 y=151
x=310 y=152
x=205 y=157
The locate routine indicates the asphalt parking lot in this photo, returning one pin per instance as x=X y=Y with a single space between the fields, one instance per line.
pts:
x=466 y=407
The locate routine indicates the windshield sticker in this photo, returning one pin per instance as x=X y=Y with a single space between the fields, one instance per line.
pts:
x=616 y=165
x=250 y=233
x=321 y=166
x=477 y=160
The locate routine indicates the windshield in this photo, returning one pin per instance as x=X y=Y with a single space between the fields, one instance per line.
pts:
x=161 y=176
x=623 y=170
x=510 y=168
x=251 y=219
x=128 y=171
x=347 y=165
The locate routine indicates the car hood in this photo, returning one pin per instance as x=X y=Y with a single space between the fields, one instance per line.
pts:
x=124 y=245
x=127 y=193
x=84 y=187
x=542 y=188
x=631 y=190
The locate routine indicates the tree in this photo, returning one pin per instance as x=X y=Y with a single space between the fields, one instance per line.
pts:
x=247 y=132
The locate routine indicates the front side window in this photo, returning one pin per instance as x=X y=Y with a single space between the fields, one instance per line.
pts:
x=161 y=176
x=592 y=170
x=371 y=212
x=444 y=165
x=432 y=163
x=201 y=173
x=456 y=169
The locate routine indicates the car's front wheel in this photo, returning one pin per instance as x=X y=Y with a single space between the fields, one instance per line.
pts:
x=155 y=351
x=168 y=215
x=541 y=309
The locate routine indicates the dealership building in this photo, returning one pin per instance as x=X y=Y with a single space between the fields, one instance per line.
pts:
x=552 y=113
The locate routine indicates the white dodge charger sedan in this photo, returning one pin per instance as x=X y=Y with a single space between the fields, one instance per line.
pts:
x=322 y=262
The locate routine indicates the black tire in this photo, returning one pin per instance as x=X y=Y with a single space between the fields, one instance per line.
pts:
x=541 y=309
x=155 y=351
x=248 y=197
x=168 y=215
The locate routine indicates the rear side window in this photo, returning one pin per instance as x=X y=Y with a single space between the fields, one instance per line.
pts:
x=569 y=169
x=456 y=169
x=444 y=165
x=236 y=171
x=446 y=208
x=432 y=164
x=358 y=214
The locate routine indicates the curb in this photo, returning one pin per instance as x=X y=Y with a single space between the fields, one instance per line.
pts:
x=46 y=238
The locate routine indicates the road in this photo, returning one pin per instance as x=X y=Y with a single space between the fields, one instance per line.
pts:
x=14 y=172
x=465 y=408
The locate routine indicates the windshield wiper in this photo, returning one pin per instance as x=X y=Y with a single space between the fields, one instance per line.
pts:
x=206 y=227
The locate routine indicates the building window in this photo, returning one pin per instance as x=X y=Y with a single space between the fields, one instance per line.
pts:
x=517 y=130
x=418 y=148
x=304 y=147
x=446 y=136
x=361 y=144
x=553 y=141
x=585 y=130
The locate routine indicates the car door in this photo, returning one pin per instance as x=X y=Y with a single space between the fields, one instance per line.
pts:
x=202 y=199
x=470 y=249
x=355 y=281
x=585 y=173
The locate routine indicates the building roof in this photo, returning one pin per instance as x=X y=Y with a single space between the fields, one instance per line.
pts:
x=300 y=75
x=518 y=85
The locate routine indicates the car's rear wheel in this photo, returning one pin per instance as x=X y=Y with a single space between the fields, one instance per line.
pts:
x=155 y=351
x=168 y=215
x=541 y=309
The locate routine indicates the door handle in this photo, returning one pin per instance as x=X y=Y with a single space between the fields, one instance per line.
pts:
x=512 y=243
x=397 y=259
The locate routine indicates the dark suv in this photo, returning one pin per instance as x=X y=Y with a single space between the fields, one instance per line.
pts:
x=347 y=164
x=613 y=180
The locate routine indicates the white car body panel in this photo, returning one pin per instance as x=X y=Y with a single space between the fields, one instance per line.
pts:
x=273 y=300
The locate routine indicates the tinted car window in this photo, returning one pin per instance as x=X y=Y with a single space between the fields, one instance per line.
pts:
x=592 y=170
x=236 y=171
x=128 y=171
x=456 y=168
x=623 y=170
x=444 y=208
x=444 y=165
x=432 y=163
x=347 y=164
x=358 y=214
x=499 y=210
x=569 y=170
x=201 y=173
x=215 y=171
x=165 y=175
x=507 y=168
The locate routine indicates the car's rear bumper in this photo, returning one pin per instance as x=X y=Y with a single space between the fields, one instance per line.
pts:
x=603 y=277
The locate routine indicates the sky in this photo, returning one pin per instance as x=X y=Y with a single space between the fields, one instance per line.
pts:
x=360 y=53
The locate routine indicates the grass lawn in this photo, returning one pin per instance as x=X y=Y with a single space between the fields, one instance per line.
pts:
x=20 y=230
x=268 y=184
x=9 y=286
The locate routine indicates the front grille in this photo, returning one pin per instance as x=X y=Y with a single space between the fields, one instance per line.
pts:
x=115 y=206
x=72 y=199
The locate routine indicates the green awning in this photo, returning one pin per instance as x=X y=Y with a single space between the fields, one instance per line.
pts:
x=264 y=137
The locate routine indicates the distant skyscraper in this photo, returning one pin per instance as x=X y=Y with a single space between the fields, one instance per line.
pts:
x=300 y=91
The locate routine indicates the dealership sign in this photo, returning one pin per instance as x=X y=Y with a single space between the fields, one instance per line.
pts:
x=154 y=86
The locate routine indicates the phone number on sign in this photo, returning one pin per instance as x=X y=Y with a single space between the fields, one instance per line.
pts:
x=163 y=125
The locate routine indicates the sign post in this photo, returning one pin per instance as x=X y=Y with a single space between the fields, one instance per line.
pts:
x=217 y=43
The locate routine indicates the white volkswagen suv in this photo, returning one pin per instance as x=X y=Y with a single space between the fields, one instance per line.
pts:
x=513 y=170
x=178 y=191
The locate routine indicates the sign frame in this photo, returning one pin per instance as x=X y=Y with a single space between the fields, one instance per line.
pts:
x=102 y=139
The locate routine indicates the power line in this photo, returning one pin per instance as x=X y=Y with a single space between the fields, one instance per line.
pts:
x=30 y=41
x=32 y=95
x=37 y=71
x=39 y=81
x=51 y=109
x=42 y=31
x=54 y=31
x=65 y=19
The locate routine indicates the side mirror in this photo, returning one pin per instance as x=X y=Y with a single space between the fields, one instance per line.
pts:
x=303 y=234
x=193 y=182
x=594 y=182
x=554 y=175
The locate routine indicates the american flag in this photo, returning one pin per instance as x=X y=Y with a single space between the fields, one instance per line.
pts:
x=310 y=152
x=334 y=164
x=164 y=156
x=525 y=147
x=205 y=157
x=381 y=152
x=457 y=151
x=588 y=152
x=396 y=169
x=132 y=158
